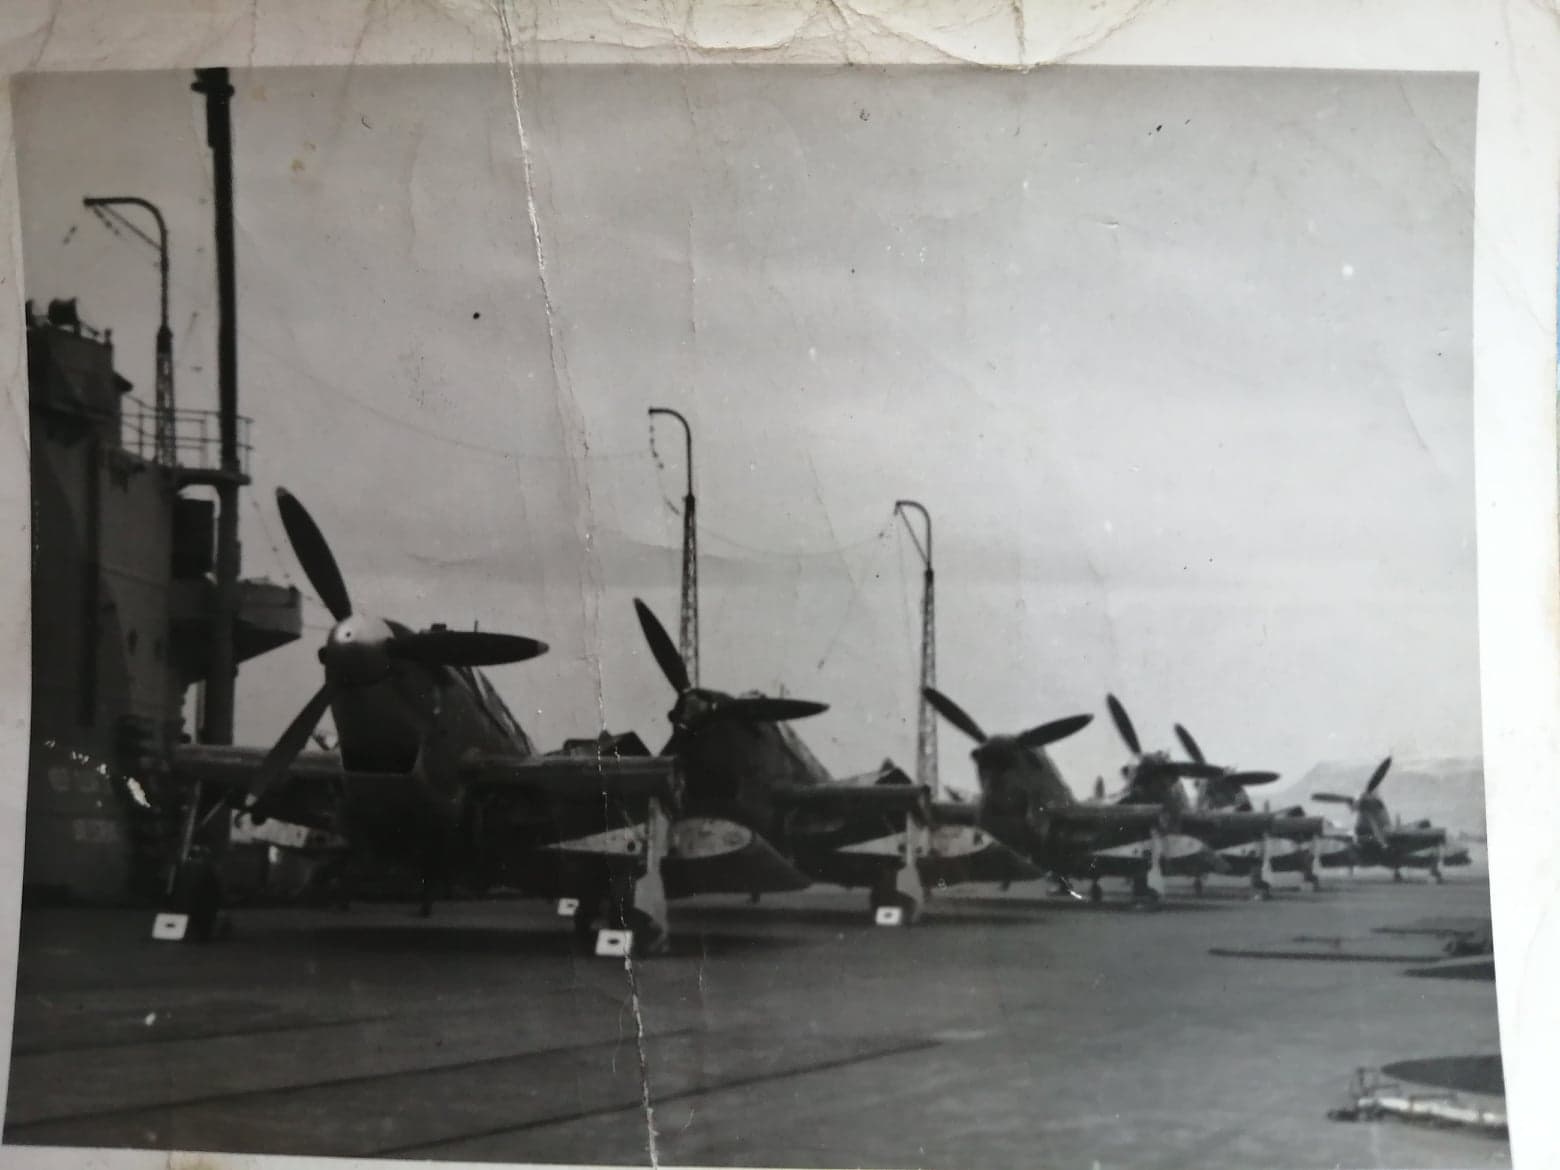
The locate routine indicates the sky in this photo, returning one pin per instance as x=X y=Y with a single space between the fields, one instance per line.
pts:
x=1179 y=361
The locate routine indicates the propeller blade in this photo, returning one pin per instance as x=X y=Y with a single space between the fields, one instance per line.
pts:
x=279 y=759
x=954 y=714
x=1378 y=775
x=1128 y=733
x=1248 y=779
x=1183 y=769
x=463 y=648
x=1053 y=731
x=662 y=648
x=762 y=709
x=1332 y=798
x=1190 y=744
x=313 y=553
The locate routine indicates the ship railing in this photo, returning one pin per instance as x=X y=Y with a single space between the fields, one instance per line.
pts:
x=193 y=437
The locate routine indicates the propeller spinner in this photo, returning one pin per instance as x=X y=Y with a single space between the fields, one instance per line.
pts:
x=361 y=650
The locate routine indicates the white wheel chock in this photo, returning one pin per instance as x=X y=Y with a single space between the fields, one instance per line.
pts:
x=614 y=944
x=170 y=927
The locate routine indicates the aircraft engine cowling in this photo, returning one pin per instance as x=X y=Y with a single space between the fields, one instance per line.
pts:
x=1003 y=796
x=1039 y=821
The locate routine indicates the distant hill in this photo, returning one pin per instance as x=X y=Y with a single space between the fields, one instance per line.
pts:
x=1450 y=793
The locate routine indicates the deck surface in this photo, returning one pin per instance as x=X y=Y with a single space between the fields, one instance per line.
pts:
x=1012 y=1030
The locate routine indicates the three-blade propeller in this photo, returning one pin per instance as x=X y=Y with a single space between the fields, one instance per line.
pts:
x=361 y=651
x=696 y=706
x=1373 y=823
x=1371 y=785
x=1230 y=775
x=1035 y=737
x=1158 y=763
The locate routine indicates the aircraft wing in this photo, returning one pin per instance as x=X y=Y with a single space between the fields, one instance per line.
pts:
x=854 y=798
x=1144 y=816
x=573 y=777
x=1297 y=826
x=314 y=777
x=225 y=767
x=1095 y=816
x=1200 y=824
x=307 y=796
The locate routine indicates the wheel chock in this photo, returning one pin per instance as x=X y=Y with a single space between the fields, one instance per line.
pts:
x=614 y=944
x=170 y=927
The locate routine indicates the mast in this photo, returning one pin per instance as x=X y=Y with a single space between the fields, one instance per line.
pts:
x=926 y=725
x=213 y=84
x=688 y=628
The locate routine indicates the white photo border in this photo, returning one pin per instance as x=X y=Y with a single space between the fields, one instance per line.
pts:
x=1514 y=48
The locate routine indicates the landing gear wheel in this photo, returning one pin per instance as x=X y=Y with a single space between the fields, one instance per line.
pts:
x=1262 y=890
x=1197 y=885
x=1435 y=873
x=1397 y=875
x=1095 y=893
x=1313 y=881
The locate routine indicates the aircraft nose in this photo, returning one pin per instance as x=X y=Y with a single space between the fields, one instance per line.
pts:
x=352 y=654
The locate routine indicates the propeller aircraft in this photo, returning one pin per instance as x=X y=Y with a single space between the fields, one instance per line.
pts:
x=435 y=772
x=742 y=762
x=1154 y=777
x=1292 y=841
x=1377 y=841
x=1025 y=802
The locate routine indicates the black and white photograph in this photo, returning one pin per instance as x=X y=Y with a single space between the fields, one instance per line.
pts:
x=755 y=616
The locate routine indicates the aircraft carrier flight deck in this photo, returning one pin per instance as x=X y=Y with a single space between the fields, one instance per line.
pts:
x=1002 y=1030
